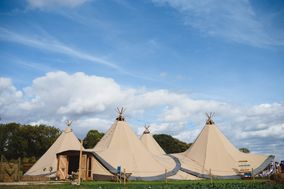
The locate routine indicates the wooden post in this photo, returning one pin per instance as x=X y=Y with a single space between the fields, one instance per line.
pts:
x=211 y=178
x=252 y=174
x=119 y=173
x=80 y=159
x=19 y=168
x=120 y=177
x=166 y=171
x=124 y=177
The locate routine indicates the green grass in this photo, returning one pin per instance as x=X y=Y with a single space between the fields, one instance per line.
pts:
x=204 y=184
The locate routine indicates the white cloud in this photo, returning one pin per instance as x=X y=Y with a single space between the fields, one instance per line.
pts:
x=268 y=109
x=9 y=98
x=232 y=20
x=8 y=92
x=92 y=123
x=50 y=4
x=75 y=94
x=90 y=102
x=188 y=135
x=271 y=131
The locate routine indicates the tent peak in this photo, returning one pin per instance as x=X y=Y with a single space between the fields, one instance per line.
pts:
x=146 y=131
x=68 y=128
x=120 y=112
x=68 y=122
x=209 y=120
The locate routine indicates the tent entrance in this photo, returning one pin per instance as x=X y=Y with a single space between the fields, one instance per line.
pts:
x=73 y=164
x=68 y=162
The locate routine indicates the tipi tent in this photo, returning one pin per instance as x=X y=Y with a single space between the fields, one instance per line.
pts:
x=213 y=154
x=159 y=154
x=47 y=165
x=120 y=147
x=150 y=143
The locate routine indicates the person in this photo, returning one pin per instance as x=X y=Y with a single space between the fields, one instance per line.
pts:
x=282 y=166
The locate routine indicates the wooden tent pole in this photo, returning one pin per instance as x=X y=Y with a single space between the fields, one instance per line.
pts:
x=80 y=159
x=211 y=178
x=124 y=177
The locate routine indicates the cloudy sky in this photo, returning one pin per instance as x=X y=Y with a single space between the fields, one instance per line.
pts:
x=166 y=61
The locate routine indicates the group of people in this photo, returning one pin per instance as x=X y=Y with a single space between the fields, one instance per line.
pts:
x=274 y=167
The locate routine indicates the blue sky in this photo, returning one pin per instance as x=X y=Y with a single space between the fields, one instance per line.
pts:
x=228 y=54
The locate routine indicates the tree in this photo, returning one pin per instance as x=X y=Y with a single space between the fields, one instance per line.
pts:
x=244 y=150
x=170 y=144
x=92 y=138
x=18 y=140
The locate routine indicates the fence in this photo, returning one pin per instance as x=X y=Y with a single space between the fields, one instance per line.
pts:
x=9 y=171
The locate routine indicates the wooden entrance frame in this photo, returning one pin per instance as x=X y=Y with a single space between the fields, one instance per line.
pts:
x=63 y=165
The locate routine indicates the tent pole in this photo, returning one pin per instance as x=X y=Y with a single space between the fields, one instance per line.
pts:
x=124 y=176
x=80 y=159
x=211 y=178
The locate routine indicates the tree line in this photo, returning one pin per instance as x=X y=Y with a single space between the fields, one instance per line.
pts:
x=18 y=140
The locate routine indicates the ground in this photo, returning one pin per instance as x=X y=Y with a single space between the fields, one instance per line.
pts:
x=204 y=184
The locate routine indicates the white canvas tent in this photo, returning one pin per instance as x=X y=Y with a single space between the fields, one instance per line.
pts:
x=150 y=143
x=160 y=155
x=121 y=147
x=47 y=165
x=213 y=154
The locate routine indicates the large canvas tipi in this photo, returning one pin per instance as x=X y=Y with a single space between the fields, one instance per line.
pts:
x=47 y=165
x=160 y=155
x=150 y=143
x=120 y=147
x=156 y=151
x=212 y=154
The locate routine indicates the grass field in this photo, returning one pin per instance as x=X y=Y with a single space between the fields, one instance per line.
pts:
x=204 y=184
